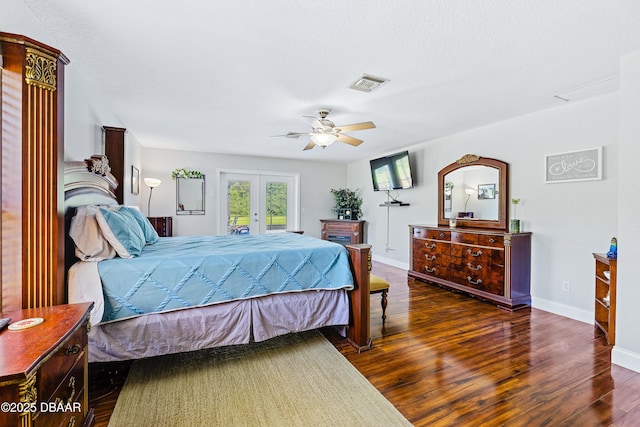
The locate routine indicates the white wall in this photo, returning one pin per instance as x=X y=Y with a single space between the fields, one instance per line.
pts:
x=627 y=349
x=569 y=221
x=316 y=181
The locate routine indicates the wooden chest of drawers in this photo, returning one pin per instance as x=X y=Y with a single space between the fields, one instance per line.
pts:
x=490 y=265
x=343 y=231
x=43 y=369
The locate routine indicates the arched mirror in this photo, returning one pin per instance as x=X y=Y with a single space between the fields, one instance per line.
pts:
x=190 y=196
x=475 y=191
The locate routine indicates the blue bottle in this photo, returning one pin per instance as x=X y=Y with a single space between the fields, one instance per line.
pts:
x=613 y=249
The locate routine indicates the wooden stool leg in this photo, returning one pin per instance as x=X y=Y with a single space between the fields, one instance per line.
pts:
x=383 y=302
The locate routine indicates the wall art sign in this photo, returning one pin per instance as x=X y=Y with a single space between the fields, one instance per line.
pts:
x=583 y=165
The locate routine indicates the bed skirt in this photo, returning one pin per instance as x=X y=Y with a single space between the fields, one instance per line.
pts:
x=230 y=323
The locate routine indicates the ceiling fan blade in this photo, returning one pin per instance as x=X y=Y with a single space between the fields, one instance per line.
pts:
x=349 y=140
x=291 y=135
x=315 y=123
x=356 y=126
x=309 y=146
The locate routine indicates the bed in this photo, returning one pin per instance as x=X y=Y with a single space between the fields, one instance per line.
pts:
x=175 y=294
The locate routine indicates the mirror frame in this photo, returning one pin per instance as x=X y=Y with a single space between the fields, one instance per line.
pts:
x=503 y=192
x=189 y=212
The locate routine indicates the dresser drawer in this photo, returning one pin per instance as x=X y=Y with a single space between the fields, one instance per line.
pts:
x=487 y=280
x=439 y=235
x=468 y=238
x=420 y=233
x=66 y=403
x=61 y=362
x=491 y=240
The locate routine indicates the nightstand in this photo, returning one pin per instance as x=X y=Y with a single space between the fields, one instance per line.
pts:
x=43 y=369
x=163 y=225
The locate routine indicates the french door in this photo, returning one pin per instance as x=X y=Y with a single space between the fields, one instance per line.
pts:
x=258 y=203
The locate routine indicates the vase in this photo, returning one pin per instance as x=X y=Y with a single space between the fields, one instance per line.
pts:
x=453 y=222
x=514 y=226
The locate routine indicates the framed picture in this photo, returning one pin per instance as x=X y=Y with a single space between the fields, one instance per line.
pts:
x=135 y=180
x=583 y=165
x=486 y=191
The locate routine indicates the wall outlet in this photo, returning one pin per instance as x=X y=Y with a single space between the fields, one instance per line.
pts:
x=566 y=286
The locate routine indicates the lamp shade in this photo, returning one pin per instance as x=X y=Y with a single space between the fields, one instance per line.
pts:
x=323 y=139
x=152 y=182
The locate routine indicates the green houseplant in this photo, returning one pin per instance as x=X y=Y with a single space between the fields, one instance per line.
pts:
x=185 y=173
x=347 y=203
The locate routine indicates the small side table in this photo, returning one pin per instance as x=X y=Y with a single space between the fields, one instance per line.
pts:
x=163 y=225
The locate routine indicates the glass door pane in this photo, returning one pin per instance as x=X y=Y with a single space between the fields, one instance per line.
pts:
x=276 y=206
x=238 y=206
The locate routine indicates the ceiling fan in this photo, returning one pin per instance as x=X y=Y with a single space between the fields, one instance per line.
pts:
x=324 y=132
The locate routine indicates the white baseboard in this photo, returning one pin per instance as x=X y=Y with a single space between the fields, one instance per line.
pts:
x=391 y=262
x=625 y=358
x=574 y=313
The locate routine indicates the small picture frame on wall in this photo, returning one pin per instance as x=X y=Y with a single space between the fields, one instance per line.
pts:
x=486 y=191
x=583 y=165
x=135 y=180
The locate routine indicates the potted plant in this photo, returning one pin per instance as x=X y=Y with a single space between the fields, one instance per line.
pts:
x=347 y=203
x=514 y=226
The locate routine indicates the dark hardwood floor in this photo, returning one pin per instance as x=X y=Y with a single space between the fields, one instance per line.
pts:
x=445 y=359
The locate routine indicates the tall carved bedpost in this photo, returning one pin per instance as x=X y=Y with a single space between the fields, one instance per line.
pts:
x=359 y=334
x=32 y=252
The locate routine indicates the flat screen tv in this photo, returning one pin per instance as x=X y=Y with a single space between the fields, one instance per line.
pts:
x=392 y=172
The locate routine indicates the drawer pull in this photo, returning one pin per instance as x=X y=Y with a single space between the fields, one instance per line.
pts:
x=431 y=246
x=73 y=349
x=430 y=258
x=72 y=388
x=441 y=235
x=492 y=240
x=470 y=252
x=430 y=270
x=476 y=268
x=470 y=280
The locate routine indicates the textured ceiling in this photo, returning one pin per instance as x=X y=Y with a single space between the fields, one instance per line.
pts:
x=223 y=76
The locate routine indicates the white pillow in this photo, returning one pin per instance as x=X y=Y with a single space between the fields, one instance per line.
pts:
x=91 y=244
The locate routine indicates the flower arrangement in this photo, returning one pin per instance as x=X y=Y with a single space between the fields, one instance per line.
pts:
x=185 y=174
x=514 y=226
x=515 y=205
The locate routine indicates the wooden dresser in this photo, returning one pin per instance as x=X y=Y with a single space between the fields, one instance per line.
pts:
x=43 y=369
x=163 y=225
x=343 y=231
x=490 y=265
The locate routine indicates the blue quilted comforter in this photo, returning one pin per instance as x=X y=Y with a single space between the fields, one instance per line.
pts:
x=180 y=272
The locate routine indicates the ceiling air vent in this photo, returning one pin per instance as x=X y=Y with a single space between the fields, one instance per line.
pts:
x=598 y=87
x=368 y=83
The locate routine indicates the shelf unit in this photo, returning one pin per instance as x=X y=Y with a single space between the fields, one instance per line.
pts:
x=605 y=308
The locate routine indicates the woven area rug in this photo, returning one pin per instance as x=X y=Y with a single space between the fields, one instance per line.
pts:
x=294 y=380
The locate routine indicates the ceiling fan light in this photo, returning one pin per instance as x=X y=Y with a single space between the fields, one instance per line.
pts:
x=323 y=139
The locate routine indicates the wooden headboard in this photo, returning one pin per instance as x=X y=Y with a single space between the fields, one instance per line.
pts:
x=85 y=183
